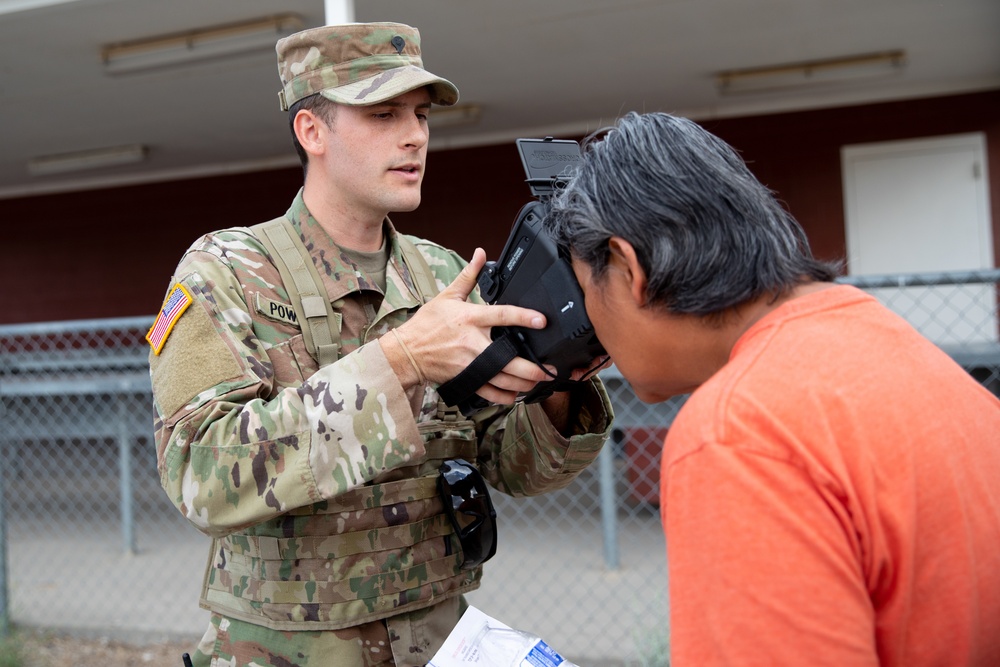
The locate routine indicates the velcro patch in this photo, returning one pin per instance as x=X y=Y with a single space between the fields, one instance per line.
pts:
x=176 y=303
x=276 y=310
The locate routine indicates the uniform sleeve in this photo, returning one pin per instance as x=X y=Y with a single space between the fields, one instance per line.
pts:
x=523 y=454
x=763 y=565
x=231 y=450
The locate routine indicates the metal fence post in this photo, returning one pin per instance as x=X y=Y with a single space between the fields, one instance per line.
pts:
x=4 y=612
x=125 y=476
x=609 y=507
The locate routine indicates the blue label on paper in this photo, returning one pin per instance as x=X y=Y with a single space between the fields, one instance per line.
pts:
x=542 y=655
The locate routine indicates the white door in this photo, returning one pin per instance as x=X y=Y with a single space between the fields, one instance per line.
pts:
x=922 y=206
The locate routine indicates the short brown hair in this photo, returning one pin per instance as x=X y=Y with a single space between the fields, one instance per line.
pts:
x=318 y=105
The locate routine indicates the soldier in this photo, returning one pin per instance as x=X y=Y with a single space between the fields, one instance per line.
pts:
x=306 y=441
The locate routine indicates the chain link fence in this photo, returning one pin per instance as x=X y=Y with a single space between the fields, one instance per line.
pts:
x=90 y=545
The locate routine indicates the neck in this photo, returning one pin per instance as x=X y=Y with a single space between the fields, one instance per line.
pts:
x=715 y=338
x=348 y=226
x=748 y=314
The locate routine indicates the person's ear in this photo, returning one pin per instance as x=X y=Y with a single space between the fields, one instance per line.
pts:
x=311 y=132
x=624 y=260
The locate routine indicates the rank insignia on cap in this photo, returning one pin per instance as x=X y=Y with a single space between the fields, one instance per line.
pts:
x=176 y=303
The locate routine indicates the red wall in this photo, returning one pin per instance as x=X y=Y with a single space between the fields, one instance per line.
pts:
x=110 y=253
x=798 y=154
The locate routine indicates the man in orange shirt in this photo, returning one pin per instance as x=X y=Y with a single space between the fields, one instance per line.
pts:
x=831 y=489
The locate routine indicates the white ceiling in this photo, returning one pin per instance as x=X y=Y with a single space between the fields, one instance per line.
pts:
x=535 y=67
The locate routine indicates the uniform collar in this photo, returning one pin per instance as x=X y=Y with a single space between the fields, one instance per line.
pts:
x=340 y=275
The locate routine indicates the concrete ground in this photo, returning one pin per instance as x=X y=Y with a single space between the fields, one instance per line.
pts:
x=549 y=577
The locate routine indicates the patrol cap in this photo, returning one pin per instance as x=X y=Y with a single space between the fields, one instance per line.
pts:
x=356 y=64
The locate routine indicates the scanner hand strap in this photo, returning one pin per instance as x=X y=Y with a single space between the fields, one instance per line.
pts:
x=484 y=367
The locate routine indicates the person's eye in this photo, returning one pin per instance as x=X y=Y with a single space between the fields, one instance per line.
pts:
x=383 y=115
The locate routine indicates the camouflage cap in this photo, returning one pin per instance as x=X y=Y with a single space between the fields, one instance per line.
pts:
x=356 y=64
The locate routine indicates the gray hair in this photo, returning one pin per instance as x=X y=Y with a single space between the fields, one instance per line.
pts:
x=707 y=233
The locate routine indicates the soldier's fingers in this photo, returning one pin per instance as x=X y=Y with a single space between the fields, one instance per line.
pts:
x=525 y=371
x=513 y=383
x=518 y=377
x=463 y=284
x=496 y=395
x=598 y=365
x=508 y=316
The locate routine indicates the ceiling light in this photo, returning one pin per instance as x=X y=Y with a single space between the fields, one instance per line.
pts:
x=810 y=72
x=197 y=45
x=460 y=114
x=90 y=159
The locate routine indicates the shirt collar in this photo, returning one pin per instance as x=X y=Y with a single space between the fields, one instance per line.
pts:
x=340 y=275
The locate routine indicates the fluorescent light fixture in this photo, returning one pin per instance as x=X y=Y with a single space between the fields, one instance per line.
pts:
x=460 y=114
x=810 y=72
x=197 y=45
x=90 y=159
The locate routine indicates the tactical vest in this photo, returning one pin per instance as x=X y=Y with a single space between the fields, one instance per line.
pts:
x=373 y=552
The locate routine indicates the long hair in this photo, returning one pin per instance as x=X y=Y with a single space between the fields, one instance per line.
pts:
x=707 y=233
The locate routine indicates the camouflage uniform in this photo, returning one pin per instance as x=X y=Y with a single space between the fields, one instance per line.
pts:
x=303 y=475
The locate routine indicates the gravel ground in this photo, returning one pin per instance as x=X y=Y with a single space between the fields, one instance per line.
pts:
x=46 y=650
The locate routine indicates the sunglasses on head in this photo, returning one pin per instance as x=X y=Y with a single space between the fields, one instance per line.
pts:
x=467 y=502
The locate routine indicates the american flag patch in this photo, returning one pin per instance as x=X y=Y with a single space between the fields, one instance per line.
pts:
x=177 y=302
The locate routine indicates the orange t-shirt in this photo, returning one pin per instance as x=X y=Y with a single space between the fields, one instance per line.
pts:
x=832 y=497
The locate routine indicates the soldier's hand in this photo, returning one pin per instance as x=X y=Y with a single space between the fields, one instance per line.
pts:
x=557 y=405
x=448 y=333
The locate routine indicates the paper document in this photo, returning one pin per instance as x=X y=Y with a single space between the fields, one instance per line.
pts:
x=482 y=640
